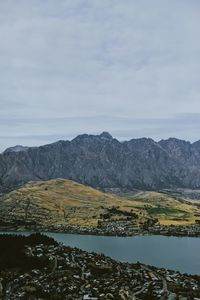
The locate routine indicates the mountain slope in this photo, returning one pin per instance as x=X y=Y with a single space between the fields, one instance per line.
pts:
x=63 y=202
x=168 y=209
x=102 y=161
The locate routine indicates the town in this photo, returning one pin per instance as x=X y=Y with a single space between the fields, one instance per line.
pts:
x=126 y=228
x=112 y=228
x=69 y=273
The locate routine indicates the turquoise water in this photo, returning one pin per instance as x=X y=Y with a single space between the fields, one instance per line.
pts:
x=181 y=254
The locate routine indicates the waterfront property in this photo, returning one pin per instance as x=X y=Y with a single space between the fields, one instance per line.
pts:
x=57 y=272
x=178 y=253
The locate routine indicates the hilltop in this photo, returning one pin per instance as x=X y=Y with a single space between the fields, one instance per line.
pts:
x=64 y=205
x=59 y=202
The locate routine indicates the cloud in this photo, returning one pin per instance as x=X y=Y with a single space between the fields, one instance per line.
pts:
x=79 y=60
x=45 y=131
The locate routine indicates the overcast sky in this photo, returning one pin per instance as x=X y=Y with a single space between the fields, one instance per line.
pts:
x=130 y=67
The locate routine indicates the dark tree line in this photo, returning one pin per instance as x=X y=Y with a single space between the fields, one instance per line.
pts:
x=12 y=251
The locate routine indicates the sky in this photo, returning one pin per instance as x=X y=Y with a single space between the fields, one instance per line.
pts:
x=129 y=67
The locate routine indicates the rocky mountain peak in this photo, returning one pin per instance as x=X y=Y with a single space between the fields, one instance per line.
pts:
x=102 y=161
x=17 y=148
x=106 y=136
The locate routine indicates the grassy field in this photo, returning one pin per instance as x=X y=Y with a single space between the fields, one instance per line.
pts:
x=169 y=210
x=64 y=202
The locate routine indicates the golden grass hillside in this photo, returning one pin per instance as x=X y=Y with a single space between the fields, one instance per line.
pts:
x=65 y=202
x=168 y=209
x=61 y=202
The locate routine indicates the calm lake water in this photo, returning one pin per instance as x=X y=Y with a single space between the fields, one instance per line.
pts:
x=182 y=254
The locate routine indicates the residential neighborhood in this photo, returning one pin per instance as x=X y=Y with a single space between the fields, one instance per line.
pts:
x=71 y=273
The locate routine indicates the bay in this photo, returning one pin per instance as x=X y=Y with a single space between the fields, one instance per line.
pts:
x=176 y=253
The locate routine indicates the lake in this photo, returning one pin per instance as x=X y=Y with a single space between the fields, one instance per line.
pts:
x=177 y=253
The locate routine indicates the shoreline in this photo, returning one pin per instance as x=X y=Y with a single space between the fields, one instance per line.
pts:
x=28 y=233
x=166 y=231
x=92 y=276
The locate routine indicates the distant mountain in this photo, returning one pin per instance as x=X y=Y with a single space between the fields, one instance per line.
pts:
x=16 y=148
x=103 y=161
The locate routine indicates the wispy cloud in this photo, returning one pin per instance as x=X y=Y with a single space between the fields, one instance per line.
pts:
x=64 y=63
x=38 y=131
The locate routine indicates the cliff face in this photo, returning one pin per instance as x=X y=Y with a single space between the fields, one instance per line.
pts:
x=102 y=161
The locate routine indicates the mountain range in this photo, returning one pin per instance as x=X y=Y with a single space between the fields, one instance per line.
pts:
x=102 y=161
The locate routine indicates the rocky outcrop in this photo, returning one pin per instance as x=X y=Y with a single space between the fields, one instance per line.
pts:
x=17 y=148
x=103 y=161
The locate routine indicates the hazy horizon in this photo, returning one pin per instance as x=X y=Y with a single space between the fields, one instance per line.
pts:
x=120 y=139
x=86 y=66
